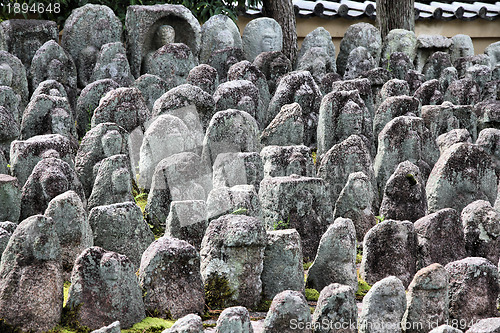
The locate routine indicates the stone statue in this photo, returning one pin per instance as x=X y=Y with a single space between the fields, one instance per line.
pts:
x=218 y=33
x=261 y=35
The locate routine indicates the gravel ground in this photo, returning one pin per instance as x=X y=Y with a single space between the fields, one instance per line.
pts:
x=258 y=320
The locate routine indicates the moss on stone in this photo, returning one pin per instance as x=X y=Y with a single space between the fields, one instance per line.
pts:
x=411 y=179
x=69 y=320
x=217 y=292
x=359 y=255
x=7 y=328
x=307 y=265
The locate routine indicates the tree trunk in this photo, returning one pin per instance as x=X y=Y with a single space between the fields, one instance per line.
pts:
x=282 y=11
x=395 y=14
x=240 y=7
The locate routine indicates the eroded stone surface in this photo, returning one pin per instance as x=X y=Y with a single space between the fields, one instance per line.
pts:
x=355 y=202
x=147 y=31
x=234 y=319
x=121 y=227
x=427 y=300
x=261 y=35
x=298 y=202
x=389 y=248
x=104 y=288
x=233 y=248
x=287 y=307
x=440 y=238
x=473 y=289
x=383 y=307
x=481 y=230
x=359 y=34
x=50 y=177
x=335 y=260
x=72 y=227
x=336 y=304
x=283 y=268
x=31 y=287
x=217 y=33
x=464 y=173
x=165 y=258
x=87 y=29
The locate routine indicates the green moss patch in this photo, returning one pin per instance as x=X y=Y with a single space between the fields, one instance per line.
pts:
x=363 y=288
x=69 y=321
x=141 y=200
x=150 y=325
x=217 y=292
x=312 y=295
x=263 y=306
x=359 y=257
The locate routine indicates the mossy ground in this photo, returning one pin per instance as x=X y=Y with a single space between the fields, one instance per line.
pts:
x=312 y=295
x=141 y=199
x=150 y=325
x=359 y=257
x=307 y=265
x=363 y=288
x=140 y=195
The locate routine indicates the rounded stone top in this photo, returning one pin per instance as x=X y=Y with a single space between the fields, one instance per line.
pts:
x=34 y=239
x=389 y=286
x=218 y=33
x=432 y=277
x=461 y=157
x=470 y=261
x=183 y=96
x=167 y=249
x=236 y=231
x=90 y=24
x=261 y=35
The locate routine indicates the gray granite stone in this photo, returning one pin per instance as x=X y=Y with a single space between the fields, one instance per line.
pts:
x=283 y=268
x=104 y=288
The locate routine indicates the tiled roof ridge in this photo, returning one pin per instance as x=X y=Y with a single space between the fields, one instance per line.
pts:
x=354 y=9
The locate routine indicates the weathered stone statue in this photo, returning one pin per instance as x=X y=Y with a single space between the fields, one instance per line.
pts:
x=151 y=27
x=218 y=33
x=261 y=35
